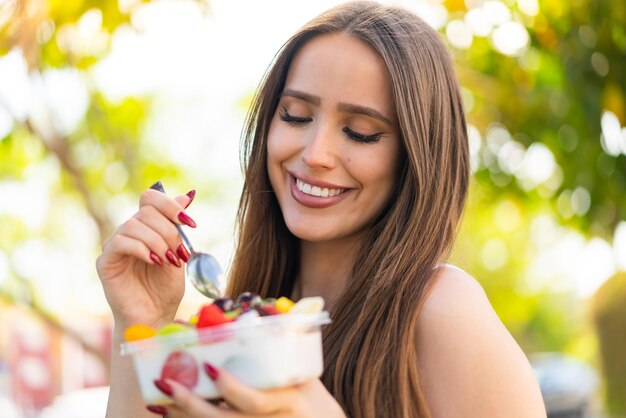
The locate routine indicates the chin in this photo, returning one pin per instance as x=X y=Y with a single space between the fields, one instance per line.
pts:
x=319 y=233
x=306 y=234
x=312 y=233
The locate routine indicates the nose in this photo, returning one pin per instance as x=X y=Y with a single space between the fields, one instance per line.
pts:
x=320 y=148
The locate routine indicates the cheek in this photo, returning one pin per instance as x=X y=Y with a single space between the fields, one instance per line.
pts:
x=277 y=153
x=378 y=176
x=384 y=180
x=378 y=169
x=274 y=149
x=278 y=147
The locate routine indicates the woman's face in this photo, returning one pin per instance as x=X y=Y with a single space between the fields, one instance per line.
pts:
x=333 y=144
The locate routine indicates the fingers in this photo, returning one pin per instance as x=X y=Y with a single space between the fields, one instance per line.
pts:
x=247 y=399
x=172 y=209
x=150 y=235
x=241 y=400
x=157 y=409
x=188 y=405
x=120 y=245
x=157 y=232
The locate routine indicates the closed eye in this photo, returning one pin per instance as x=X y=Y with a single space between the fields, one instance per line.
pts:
x=292 y=119
x=359 y=137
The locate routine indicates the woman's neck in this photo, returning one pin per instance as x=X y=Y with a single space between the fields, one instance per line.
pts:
x=324 y=269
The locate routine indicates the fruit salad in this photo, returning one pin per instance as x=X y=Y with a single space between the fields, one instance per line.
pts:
x=266 y=343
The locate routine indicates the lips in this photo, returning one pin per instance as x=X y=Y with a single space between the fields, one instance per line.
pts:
x=316 y=194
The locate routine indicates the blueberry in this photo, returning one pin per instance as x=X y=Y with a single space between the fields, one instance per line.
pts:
x=249 y=298
x=225 y=304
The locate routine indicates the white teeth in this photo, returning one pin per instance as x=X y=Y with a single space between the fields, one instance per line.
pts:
x=317 y=191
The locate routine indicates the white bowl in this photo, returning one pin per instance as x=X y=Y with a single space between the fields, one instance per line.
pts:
x=267 y=352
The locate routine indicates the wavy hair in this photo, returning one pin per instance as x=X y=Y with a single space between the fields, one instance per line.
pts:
x=370 y=348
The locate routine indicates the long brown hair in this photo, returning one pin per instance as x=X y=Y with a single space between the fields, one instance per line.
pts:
x=369 y=349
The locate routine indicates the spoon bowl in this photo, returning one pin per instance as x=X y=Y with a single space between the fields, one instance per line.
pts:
x=203 y=270
x=205 y=273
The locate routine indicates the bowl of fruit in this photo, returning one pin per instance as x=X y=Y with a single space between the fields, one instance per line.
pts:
x=266 y=343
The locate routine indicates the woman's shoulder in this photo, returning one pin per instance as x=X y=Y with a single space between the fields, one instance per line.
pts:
x=469 y=363
x=455 y=292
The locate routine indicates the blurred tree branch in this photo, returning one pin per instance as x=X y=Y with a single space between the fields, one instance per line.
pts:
x=58 y=146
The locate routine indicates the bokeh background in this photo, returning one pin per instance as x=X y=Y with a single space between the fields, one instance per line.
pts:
x=98 y=99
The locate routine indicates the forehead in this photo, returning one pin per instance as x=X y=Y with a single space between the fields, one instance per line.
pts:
x=339 y=67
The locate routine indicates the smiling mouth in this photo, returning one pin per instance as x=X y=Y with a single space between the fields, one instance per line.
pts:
x=317 y=191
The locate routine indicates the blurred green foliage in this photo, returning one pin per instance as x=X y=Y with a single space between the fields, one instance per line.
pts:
x=554 y=94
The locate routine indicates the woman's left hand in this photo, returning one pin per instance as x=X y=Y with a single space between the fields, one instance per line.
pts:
x=308 y=399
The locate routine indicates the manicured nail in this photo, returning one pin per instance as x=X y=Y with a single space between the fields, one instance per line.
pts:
x=156 y=258
x=184 y=218
x=164 y=387
x=172 y=258
x=182 y=253
x=191 y=194
x=211 y=371
x=157 y=409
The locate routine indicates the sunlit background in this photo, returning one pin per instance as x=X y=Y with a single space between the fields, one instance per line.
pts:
x=98 y=99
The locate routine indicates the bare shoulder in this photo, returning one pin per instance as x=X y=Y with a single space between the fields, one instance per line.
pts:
x=456 y=293
x=470 y=365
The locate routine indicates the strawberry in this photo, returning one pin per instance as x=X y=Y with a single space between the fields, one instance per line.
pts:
x=181 y=367
x=211 y=315
x=271 y=310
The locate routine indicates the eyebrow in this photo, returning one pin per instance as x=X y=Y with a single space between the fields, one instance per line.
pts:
x=344 y=107
x=309 y=98
x=362 y=110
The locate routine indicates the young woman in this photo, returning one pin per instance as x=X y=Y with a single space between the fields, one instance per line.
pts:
x=356 y=173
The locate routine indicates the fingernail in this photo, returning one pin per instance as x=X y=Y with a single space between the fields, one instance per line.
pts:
x=211 y=371
x=164 y=387
x=172 y=258
x=157 y=409
x=184 y=218
x=191 y=194
x=182 y=253
x=156 y=258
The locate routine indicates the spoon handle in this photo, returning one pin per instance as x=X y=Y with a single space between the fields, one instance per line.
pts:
x=158 y=186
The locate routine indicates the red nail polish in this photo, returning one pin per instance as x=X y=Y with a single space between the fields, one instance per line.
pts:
x=172 y=258
x=156 y=258
x=184 y=218
x=157 y=409
x=191 y=194
x=182 y=253
x=164 y=387
x=211 y=371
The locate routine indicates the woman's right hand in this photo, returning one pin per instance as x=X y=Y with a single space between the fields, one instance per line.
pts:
x=141 y=265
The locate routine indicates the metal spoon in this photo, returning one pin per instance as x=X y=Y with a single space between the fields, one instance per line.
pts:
x=203 y=270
